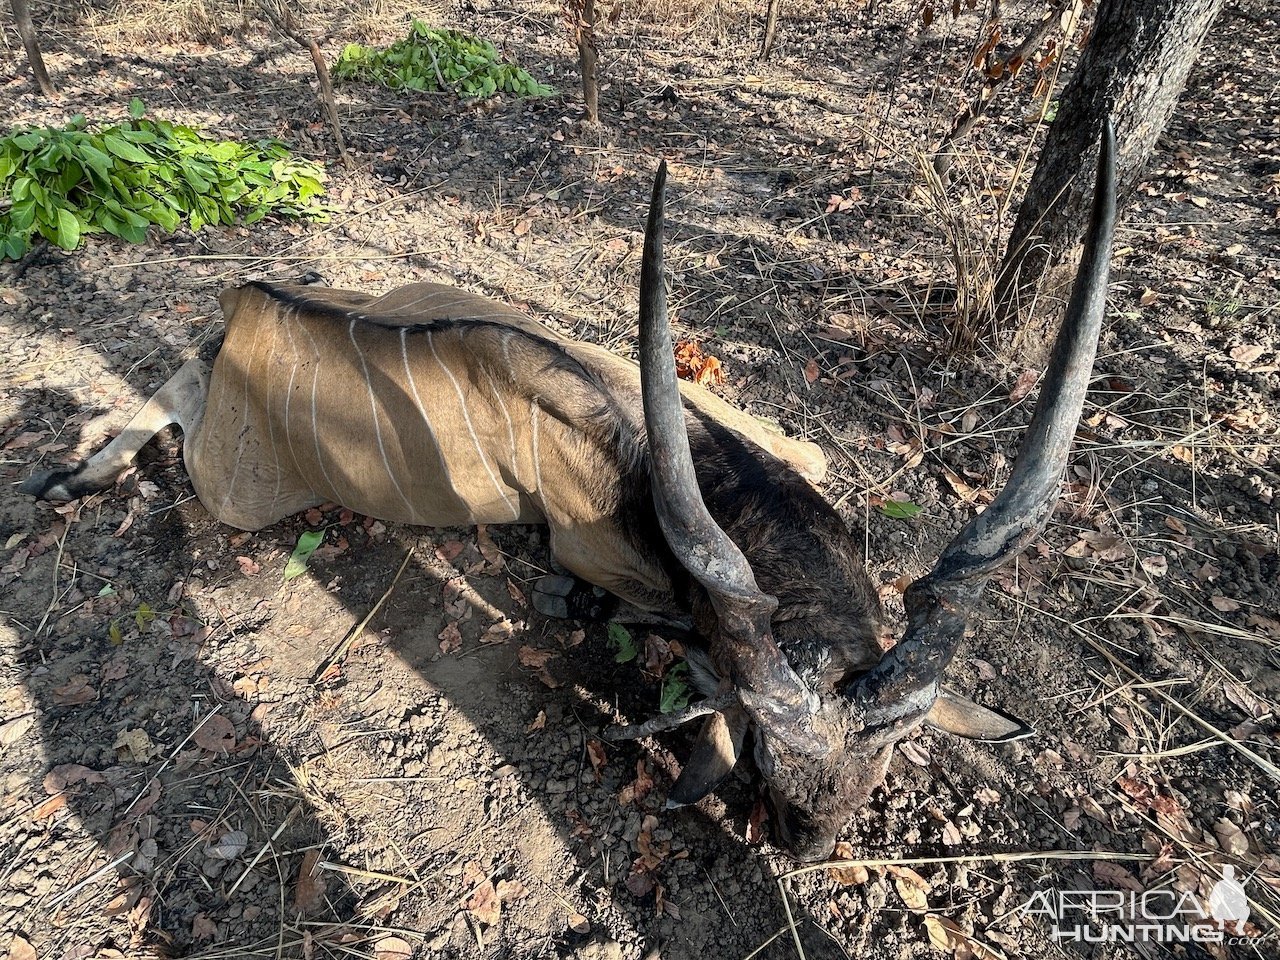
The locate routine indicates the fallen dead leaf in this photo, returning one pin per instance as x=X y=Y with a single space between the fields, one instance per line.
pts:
x=1247 y=354
x=135 y=746
x=640 y=883
x=1231 y=838
x=217 y=735
x=1116 y=876
x=392 y=948
x=450 y=638
x=500 y=632
x=21 y=949
x=639 y=788
x=484 y=904
x=68 y=775
x=1023 y=385
x=852 y=875
x=597 y=756
x=945 y=934
x=309 y=889
x=911 y=887
x=915 y=753
x=74 y=692
x=229 y=846
x=488 y=549
x=693 y=364
x=11 y=731
x=534 y=658
x=203 y=927
x=509 y=890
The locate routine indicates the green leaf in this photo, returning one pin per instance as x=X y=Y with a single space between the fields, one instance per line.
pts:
x=307 y=543
x=95 y=159
x=123 y=149
x=620 y=639
x=68 y=229
x=136 y=108
x=65 y=183
x=900 y=509
x=143 y=616
x=12 y=246
x=675 y=692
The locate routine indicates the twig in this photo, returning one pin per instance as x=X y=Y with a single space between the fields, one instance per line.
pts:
x=288 y=819
x=354 y=633
x=943 y=158
x=169 y=759
x=281 y=18
x=91 y=878
x=1262 y=763
x=634 y=731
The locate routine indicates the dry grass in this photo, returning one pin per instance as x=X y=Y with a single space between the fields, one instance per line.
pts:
x=210 y=21
x=966 y=212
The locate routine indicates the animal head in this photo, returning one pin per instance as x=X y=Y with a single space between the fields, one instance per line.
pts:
x=824 y=735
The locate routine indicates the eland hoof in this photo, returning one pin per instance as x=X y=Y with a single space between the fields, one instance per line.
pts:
x=568 y=598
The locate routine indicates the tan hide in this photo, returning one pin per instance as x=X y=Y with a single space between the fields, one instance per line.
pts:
x=325 y=395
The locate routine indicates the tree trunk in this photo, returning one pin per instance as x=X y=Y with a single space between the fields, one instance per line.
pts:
x=770 y=28
x=586 y=34
x=27 y=31
x=1134 y=68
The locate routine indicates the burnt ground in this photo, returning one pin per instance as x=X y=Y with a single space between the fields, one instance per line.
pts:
x=182 y=776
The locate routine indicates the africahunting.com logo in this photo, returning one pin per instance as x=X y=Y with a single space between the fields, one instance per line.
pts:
x=1155 y=916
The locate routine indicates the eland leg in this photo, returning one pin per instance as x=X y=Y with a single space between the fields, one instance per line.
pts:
x=180 y=401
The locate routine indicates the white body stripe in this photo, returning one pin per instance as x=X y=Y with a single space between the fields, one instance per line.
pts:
x=466 y=416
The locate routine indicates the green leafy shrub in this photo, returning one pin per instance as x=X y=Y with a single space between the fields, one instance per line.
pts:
x=67 y=182
x=430 y=59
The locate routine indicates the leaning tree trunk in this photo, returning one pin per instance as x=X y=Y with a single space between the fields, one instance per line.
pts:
x=770 y=28
x=27 y=31
x=1134 y=67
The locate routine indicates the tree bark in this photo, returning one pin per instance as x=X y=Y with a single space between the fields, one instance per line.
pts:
x=770 y=28
x=586 y=35
x=27 y=31
x=1134 y=68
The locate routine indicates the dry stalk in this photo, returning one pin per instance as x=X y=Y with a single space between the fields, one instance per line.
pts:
x=281 y=17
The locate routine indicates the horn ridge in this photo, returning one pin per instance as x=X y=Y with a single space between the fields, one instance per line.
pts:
x=904 y=685
x=775 y=697
x=691 y=532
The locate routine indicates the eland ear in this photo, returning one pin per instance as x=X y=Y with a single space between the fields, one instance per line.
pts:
x=961 y=716
x=715 y=753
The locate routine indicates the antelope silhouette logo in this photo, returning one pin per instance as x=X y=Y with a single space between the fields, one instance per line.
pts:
x=1227 y=901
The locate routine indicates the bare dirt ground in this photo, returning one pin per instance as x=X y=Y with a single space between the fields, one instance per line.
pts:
x=182 y=775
